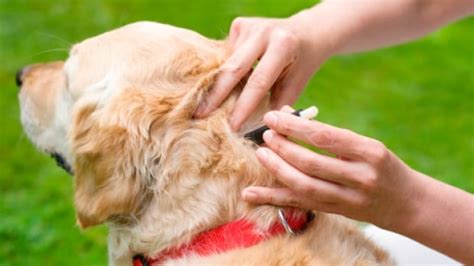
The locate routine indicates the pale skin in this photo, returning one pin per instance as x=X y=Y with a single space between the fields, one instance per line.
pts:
x=364 y=180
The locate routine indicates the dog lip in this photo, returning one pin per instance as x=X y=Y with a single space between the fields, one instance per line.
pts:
x=18 y=77
x=61 y=162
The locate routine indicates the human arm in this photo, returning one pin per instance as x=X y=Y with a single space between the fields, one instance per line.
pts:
x=361 y=25
x=366 y=182
x=290 y=50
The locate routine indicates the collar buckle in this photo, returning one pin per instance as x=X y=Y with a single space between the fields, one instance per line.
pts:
x=287 y=226
x=284 y=222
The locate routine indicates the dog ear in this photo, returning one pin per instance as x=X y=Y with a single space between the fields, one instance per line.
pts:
x=110 y=157
x=110 y=143
x=103 y=185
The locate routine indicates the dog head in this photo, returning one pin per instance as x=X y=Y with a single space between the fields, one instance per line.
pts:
x=118 y=113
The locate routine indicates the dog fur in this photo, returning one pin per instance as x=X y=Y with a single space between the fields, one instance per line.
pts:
x=120 y=111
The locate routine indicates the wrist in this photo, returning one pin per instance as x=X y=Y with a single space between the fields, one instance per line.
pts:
x=327 y=28
x=316 y=37
x=415 y=204
x=402 y=201
x=431 y=200
x=441 y=217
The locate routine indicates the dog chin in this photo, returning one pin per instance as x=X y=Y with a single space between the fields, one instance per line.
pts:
x=45 y=142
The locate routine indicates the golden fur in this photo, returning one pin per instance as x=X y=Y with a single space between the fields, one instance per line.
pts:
x=120 y=111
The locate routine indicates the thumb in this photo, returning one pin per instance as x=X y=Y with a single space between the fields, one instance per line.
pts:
x=270 y=196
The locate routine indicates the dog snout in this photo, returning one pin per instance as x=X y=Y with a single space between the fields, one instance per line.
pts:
x=20 y=75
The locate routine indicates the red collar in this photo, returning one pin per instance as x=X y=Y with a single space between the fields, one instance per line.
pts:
x=240 y=233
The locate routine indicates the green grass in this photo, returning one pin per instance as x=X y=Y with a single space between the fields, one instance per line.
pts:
x=416 y=98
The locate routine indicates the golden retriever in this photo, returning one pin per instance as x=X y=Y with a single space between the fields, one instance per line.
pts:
x=118 y=113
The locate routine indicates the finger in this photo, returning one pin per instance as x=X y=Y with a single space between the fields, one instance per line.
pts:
x=314 y=164
x=281 y=197
x=339 y=141
x=296 y=180
x=238 y=41
x=260 y=82
x=231 y=72
x=239 y=30
x=234 y=32
x=273 y=196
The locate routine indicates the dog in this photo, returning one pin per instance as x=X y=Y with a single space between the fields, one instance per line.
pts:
x=118 y=115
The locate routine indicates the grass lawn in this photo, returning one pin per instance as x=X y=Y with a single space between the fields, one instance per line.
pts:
x=416 y=98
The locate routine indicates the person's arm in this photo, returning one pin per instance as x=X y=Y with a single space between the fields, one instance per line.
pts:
x=290 y=50
x=445 y=221
x=360 y=25
x=366 y=182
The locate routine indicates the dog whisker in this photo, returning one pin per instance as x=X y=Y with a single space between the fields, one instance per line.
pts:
x=20 y=139
x=49 y=51
x=64 y=41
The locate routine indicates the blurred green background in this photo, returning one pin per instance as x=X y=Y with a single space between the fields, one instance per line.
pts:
x=416 y=98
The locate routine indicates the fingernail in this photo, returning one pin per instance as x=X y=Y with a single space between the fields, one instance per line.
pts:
x=248 y=194
x=262 y=153
x=287 y=109
x=270 y=118
x=268 y=135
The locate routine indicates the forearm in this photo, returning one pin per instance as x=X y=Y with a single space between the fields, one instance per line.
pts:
x=358 y=25
x=443 y=218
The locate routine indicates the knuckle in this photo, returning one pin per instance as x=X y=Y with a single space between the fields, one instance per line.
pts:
x=284 y=126
x=262 y=26
x=310 y=165
x=279 y=147
x=233 y=68
x=237 y=23
x=304 y=188
x=275 y=168
x=293 y=202
x=270 y=199
x=377 y=153
x=321 y=138
x=363 y=202
x=370 y=181
x=258 y=81
x=286 y=39
x=345 y=173
x=252 y=27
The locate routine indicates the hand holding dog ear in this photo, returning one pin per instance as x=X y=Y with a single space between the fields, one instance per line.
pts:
x=284 y=59
x=288 y=51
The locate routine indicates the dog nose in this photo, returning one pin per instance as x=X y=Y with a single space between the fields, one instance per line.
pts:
x=19 y=77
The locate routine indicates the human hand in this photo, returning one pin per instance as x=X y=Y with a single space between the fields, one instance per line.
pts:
x=286 y=61
x=365 y=181
x=290 y=50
